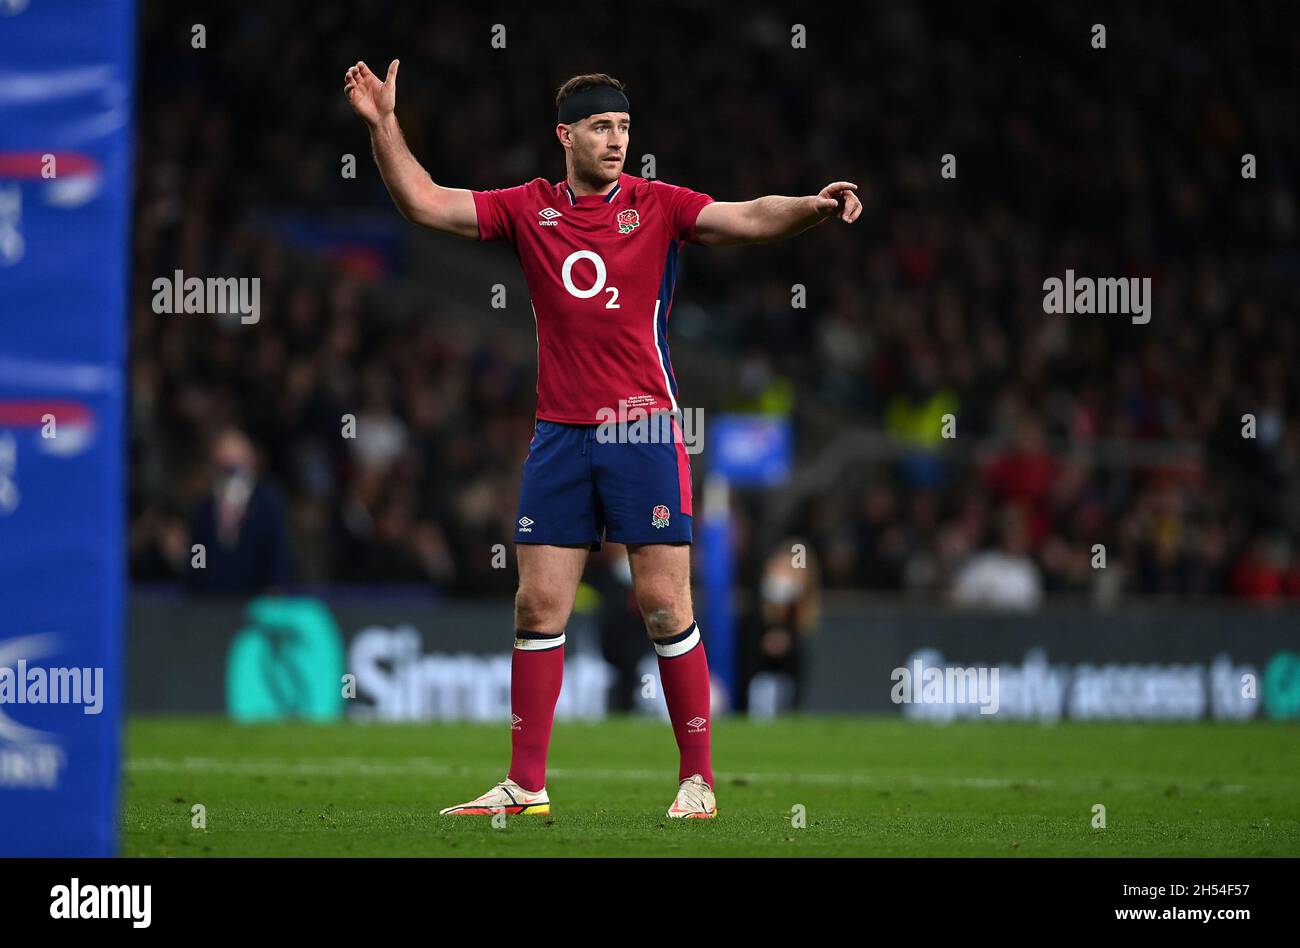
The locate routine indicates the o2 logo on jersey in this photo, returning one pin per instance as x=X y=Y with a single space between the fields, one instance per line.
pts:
x=628 y=221
x=566 y=274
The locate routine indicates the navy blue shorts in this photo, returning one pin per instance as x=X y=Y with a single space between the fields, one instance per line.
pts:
x=580 y=485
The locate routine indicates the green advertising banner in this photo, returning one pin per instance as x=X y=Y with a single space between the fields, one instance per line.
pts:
x=287 y=663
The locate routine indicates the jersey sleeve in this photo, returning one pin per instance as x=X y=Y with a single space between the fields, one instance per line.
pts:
x=681 y=208
x=496 y=211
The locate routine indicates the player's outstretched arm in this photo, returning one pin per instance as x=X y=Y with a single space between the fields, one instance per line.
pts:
x=413 y=191
x=773 y=217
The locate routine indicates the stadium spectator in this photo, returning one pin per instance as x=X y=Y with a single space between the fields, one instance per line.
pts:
x=623 y=641
x=1003 y=578
x=239 y=524
x=773 y=663
x=936 y=308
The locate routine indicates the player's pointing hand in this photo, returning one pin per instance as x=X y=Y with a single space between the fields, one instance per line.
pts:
x=838 y=200
x=371 y=99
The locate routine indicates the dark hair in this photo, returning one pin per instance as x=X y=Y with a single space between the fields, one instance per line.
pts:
x=589 y=81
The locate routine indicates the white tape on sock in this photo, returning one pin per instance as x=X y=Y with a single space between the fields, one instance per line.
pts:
x=673 y=649
x=540 y=645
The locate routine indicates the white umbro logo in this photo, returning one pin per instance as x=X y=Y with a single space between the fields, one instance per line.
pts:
x=525 y=522
x=515 y=721
x=548 y=216
x=696 y=723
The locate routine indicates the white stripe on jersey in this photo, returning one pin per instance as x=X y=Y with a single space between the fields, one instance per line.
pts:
x=654 y=338
x=537 y=338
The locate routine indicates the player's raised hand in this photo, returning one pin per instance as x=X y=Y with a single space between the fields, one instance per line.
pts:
x=370 y=98
x=838 y=200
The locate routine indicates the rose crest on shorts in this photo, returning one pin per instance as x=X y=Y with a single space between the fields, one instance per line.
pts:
x=659 y=516
x=628 y=220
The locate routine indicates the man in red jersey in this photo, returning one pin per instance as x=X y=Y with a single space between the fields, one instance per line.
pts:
x=599 y=252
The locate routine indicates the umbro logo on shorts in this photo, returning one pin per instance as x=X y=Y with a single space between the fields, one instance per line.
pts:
x=525 y=525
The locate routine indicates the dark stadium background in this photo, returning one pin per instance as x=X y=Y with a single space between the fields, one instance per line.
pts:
x=285 y=545
x=1072 y=431
x=1123 y=161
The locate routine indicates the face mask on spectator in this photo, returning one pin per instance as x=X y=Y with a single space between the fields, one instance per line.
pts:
x=234 y=482
x=780 y=590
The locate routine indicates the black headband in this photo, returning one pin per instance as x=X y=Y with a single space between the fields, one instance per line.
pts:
x=592 y=101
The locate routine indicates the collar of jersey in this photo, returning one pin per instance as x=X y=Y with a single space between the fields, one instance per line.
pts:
x=575 y=199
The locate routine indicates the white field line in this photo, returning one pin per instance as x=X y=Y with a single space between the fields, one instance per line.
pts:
x=428 y=767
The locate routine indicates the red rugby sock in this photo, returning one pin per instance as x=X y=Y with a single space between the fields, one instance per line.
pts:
x=684 y=671
x=536 y=673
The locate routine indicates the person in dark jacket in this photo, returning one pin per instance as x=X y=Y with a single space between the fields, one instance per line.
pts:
x=240 y=525
x=774 y=652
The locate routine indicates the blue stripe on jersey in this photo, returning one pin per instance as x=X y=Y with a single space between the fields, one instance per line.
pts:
x=610 y=196
x=666 y=287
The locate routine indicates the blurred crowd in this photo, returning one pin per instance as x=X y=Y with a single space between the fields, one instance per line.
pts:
x=1123 y=161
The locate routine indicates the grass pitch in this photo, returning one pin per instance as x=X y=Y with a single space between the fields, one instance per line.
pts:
x=868 y=787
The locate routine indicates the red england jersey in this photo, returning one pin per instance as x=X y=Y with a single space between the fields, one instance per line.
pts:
x=601 y=270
